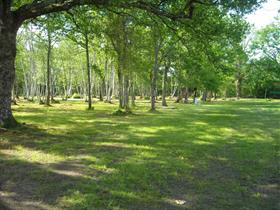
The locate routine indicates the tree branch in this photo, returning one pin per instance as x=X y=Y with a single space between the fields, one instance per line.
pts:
x=35 y=9
x=38 y=8
x=154 y=9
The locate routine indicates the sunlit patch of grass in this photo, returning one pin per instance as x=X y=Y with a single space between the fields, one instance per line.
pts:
x=203 y=142
x=32 y=156
x=122 y=145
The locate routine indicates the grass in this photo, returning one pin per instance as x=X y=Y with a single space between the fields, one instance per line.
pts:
x=221 y=155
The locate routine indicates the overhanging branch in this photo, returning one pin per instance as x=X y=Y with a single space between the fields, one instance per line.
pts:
x=38 y=8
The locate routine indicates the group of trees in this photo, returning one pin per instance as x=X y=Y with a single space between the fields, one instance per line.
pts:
x=124 y=49
x=264 y=66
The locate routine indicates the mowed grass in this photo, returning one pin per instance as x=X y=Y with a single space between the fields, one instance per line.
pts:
x=220 y=155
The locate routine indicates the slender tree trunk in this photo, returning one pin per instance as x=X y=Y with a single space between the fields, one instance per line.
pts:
x=238 y=78
x=164 y=81
x=120 y=78
x=48 y=102
x=111 y=82
x=132 y=93
x=186 y=95
x=154 y=77
x=53 y=89
x=194 y=95
x=7 y=71
x=14 y=100
x=126 y=93
x=265 y=93
x=238 y=88
x=180 y=95
x=88 y=73
x=204 y=96
x=102 y=88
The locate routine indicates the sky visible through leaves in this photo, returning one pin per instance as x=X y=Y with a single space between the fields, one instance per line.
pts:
x=264 y=15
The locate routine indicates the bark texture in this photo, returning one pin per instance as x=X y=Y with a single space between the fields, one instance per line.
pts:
x=8 y=32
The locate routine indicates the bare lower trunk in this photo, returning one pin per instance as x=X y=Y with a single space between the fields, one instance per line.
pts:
x=204 y=95
x=265 y=93
x=179 y=96
x=120 y=78
x=14 y=100
x=164 y=85
x=186 y=95
x=154 y=78
x=48 y=102
x=126 y=93
x=238 y=79
x=238 y=88
x=7 y=73
x=132 y=93
x=88 y=73
x=102 y=89
x=194 y=95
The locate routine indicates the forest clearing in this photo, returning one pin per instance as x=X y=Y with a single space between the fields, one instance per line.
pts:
x=139 y=104
x=219 y=155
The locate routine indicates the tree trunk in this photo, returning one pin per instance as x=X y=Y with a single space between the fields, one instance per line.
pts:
x=164 y=81
x=238 y=88
x=204 y=95
x=7 y=71
x=102 y=89
x=180 y=95
x=186 y=95
x=120 y=78
x=194 y=95
x=265 y=93
x=88 y=73
x=210 y=96
x=14 y=100
x=132 y=93
x=154 y=78
x=126 y=93
x=48 y=103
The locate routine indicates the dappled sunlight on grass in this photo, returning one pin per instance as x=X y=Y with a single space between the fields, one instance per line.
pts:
x=122 y=145
x=221 y=155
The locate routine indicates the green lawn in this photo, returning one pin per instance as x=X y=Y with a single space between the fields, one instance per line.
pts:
x=221 y=155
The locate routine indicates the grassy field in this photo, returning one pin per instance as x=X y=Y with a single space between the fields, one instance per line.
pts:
x=221 y=155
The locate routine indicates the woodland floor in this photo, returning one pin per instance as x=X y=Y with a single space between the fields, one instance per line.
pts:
x=221 y=155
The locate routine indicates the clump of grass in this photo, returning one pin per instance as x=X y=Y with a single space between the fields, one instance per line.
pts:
x=120 y=112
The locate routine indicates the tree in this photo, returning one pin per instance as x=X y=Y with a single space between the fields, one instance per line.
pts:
x=157 y=44
x=118 y=32
x=83 y=28
x=49 y=34
x=264 y=67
